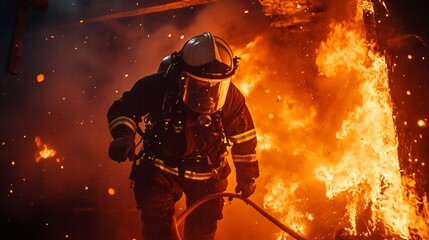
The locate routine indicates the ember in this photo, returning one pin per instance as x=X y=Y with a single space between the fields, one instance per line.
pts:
x=40 y=77
x=44 y=152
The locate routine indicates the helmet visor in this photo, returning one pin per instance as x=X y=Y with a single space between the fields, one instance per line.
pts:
x=203 y=95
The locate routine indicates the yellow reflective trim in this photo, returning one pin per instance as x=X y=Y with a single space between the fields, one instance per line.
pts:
x=243 y=137
x=245 y=158
x=175 y=171
x=123 y=121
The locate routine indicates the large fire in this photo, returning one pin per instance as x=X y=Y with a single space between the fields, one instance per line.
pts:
x=367 y=195
x=368 y=173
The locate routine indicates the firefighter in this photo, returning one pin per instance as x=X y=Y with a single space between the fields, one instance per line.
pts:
x=193 y=116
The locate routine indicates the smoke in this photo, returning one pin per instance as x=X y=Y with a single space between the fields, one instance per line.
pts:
x=86 y=66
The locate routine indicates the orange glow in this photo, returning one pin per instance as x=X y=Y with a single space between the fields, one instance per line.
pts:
x=44 y=152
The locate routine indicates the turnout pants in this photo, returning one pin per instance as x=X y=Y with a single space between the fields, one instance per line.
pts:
x=156 y=193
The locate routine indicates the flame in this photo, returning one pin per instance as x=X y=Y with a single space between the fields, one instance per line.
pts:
x=366 y=192
x=281 y=197
x=368 y=173
x=253 y=73
x=44 y=152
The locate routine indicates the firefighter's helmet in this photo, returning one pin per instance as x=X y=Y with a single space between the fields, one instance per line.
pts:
x=208 y=65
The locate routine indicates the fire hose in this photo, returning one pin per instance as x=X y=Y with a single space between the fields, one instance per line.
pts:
x=202 y=200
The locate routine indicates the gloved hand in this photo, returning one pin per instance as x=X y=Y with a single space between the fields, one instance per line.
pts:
x=246 y=187
x=121 y=148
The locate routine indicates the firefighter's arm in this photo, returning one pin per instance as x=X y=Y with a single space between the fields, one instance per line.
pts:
x=122 y=117
x=245 y=162
x=125 y=114
x=241 y=132
x=123 y=131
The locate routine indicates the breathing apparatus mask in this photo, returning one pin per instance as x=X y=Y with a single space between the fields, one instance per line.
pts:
x=206 y=65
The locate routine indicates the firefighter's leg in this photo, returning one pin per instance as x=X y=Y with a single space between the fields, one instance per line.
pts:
x=201 y=224
x=156 y=193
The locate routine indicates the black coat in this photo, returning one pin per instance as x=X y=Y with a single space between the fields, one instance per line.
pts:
x=175 y=135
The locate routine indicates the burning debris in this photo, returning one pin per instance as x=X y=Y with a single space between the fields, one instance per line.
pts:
x=44 y=151
x=292 y=13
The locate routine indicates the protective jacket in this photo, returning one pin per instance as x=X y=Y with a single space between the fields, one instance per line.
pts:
x=174 y=141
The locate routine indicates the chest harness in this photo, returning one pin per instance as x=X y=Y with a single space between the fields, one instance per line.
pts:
x=167 y=129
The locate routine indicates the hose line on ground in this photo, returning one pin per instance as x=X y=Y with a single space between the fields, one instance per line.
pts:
x=202 y=200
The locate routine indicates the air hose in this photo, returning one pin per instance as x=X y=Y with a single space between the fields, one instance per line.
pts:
x=202 y=200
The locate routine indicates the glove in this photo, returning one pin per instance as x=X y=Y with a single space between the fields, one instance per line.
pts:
x=246 y=187
x=121 y=148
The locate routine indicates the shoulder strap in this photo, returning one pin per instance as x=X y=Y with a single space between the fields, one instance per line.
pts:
x=172 y=93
